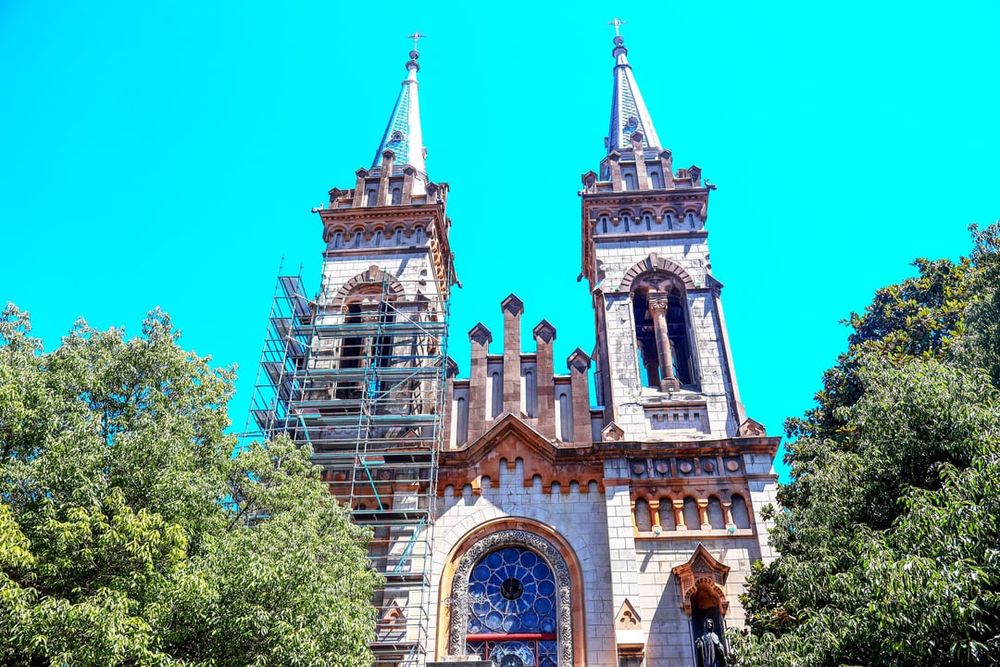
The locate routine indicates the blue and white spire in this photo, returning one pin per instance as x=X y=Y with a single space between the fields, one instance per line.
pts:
x=628 y=110
x=403 y=135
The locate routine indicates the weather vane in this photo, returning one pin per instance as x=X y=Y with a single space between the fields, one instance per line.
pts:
x=617 y=23
x=416 y=37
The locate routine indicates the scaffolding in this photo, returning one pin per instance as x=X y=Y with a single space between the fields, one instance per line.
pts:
x=361 y=378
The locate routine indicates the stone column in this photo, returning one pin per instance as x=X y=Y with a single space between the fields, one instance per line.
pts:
x=545 y=333
x=449 y=402
x=727 y=510
x=679 y=515
x=479 y=339
x=654 y=514
x=512 y=308
x=703 y=513
x=579 y=364
x=658 y=307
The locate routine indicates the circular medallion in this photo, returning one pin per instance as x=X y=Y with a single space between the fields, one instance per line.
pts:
x=732 y=466
x=663 y=467
x=709 y=466
x=511 y=588
x=685 y=467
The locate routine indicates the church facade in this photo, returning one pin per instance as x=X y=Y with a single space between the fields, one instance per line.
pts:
x=516 y=522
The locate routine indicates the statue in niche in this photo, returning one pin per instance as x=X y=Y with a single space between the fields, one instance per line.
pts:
x=709 y=649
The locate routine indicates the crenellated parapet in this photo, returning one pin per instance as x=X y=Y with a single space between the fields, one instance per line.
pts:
x=523 y=384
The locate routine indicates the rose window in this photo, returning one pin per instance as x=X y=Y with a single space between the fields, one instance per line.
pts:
x=512 y=611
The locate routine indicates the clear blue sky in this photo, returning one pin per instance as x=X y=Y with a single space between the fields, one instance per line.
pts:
x=169 y=154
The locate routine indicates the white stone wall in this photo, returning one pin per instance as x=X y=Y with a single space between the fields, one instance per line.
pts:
x=410 y=267
x=578 y=516
x=669 y=641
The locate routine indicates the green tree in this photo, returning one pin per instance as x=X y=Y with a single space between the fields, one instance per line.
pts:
x=131 y=534
x=889 y=528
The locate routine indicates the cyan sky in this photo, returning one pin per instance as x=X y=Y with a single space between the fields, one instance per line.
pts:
x=169 y=153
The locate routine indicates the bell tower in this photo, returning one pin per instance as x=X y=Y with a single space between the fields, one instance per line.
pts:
x=664 y=368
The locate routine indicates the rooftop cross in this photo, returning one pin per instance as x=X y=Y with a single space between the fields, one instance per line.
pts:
x=617 y=23
x=416 y=37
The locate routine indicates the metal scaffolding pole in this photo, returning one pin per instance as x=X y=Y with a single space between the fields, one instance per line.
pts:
x=363 y=381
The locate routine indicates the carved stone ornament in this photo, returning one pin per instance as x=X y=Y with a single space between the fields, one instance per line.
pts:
x=751 y=428
x=505 y=538
x=702 y=571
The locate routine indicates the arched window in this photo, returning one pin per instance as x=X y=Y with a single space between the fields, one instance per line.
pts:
x=398 y=235
x=530 y=394
x=565 y=417
x=462 y=426
x=657 y=180
x=357 y=239
x=667 y=520
x=372 y=197
x=603 y=222
x=418 y=235
x=496 y=393
x=515 y=614
x=692 y=517
x=647 y=221
x=689 y=219
x=397 y=195
x=378 y=239
x=626 y=220
x=715 y=515
x=512 y=620
x=643 y=519
x=659 y=304
x=629 y=182
x=338 y=239
x=669 y=219
x=741 y=516
x=369 y=347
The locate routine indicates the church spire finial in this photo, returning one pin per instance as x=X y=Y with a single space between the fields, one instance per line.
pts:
x=403 y=135
x=629 y=114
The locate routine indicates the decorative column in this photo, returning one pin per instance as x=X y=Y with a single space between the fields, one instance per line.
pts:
x=679 y=514
x=545 y=334
x=479 y=339
x=703 y=513
x=512 y=307
x=727 y=510
x=658 y=302
x=654 y=513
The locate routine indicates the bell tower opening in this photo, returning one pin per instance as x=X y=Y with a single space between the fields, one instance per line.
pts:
x=663 y=342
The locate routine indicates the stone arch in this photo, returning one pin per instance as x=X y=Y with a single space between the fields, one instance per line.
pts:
x=499 y=533
x=374 y=276
x=655 y=263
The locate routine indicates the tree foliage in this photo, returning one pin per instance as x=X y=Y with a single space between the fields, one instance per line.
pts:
x=130 y=533
x=890 y=528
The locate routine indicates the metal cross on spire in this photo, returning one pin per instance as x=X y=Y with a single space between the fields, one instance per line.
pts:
x=617 y=23
x=416 y=37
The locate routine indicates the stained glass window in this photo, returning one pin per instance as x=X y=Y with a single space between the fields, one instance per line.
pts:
x=512 y=616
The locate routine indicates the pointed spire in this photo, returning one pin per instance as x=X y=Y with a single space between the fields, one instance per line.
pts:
x=628 y=110
x=403 y=135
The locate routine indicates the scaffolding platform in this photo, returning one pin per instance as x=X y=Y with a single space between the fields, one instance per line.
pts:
x=362 y=381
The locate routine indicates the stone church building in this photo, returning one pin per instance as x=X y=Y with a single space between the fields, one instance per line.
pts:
x=516 y=520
